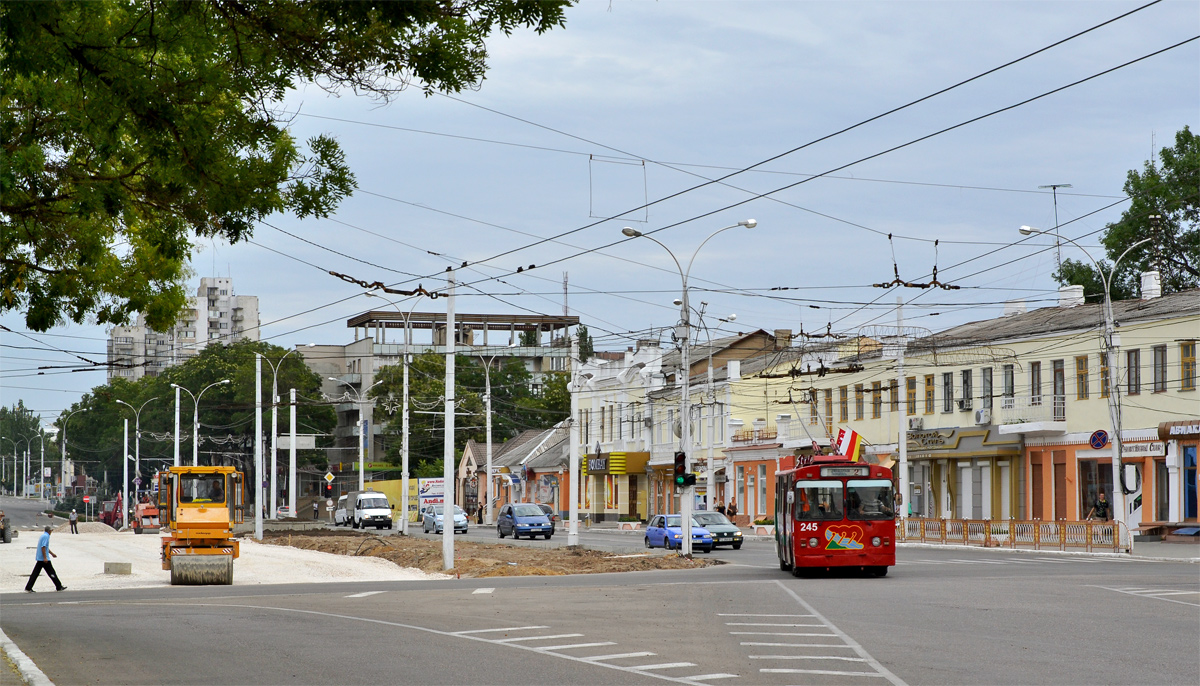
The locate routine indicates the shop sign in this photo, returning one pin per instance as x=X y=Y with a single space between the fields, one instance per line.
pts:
x=930 y=439
x=1175 y=430
x=597 y=465
x=1152 y=449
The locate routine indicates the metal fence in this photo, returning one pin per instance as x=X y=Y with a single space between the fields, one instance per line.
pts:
x=1012 y=533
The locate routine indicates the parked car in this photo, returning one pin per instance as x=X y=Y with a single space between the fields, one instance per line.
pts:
x=552 y=515
x=431 y=521
x=667 y=531
x=523 y=519
x=724 y=532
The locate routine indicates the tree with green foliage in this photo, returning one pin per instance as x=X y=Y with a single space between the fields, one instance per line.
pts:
x=515 y=407
x=1164 y=207
x=586 y=348
x=131 y=128
x=19 y=429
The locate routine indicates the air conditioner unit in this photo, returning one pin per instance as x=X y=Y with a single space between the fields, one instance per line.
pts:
x=983 y=416
x=648 y=421
x=916 y=423
x=963 y=405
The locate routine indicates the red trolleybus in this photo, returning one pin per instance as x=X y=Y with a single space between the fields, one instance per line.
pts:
x=835 y=513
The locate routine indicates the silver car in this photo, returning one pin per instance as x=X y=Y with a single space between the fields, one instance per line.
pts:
x=431 y=521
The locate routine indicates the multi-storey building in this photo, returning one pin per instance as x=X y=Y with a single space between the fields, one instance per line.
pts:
x=215 y=314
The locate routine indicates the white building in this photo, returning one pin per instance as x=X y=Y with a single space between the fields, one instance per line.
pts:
x=215 y=314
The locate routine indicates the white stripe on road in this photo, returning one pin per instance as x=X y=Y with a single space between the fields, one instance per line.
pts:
x=364 y=595
x=482 y=590
x=770 y=633
x=706 y=677
x=818 y=671
x=734 y=614
x=981 y=562
x=1161 y=593
x=807 y=657
x=536 y=638
x=619 y=656
x=1052 y=561
x=489 y=631
x=665 y=665
x=575 y=645
x=794 y=645
x=1144 y=594
x=768 y=624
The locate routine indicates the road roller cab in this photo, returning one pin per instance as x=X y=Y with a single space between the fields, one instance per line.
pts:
x=199 y=507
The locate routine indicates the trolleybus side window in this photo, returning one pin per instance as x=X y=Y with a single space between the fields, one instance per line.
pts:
x=818 y=501
x=868 y=499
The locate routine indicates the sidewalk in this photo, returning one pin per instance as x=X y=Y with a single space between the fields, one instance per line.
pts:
x=1156 y=551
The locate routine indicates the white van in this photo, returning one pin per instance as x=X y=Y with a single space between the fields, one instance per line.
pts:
x=368 y=508
x=339 y=515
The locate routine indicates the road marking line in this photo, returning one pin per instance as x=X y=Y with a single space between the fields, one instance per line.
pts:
x=574 y=645
x=981 y=562
x=482 y=590
x=1020 y=562
x=794 y=645
x=536 y=638
x=734 y=614
x=1146 y=595
x=364 y=595
x=807 y=657
x=1054 y=562
x=768 y=624
x=705 y=677
x=768 y=633
x=488 y=631
x=664 y=665
x=1159 y=593
x=618 y=656
x=818 y=671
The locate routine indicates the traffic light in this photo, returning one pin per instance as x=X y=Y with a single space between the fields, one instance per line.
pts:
x=328 y=490
x=689 y=479
x=681 y=474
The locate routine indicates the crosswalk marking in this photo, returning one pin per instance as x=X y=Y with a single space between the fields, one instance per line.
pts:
x=768 y=624
x=794 y=645
x=771 y=633
x=831 y=672
x=491 y=631
x=577 y=645
x=664 y=665
x=364 y=595
x=706 y=677
x=1156 y=594
x=536 y=638
x=735 y=614
x=483 y=590
x=619 y=656
x=807 y=657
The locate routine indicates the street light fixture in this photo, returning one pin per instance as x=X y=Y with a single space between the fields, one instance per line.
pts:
x=362 y=432
x=137 y=441
x=275 y=435
x=1109 y=346
x=62 y=465
x=683 y=334
x=487 y=398
x=196 y=417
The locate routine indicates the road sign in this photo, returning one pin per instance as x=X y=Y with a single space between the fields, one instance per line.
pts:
x=329 y=477
x=87 y=498
x=137 y=481
x=329 y=503
x=1098 y=439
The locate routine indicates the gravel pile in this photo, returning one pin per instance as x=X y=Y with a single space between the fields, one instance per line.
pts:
x=81 y=558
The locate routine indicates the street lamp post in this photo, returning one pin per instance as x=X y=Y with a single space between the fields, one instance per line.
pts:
x=62 y=465
x=25 y=465
x=487 y=399
x=14 y=463
x=196 y=417
x=137 y=441
x=684 y=334
x=362 y=428
x=275 y=430
x=1109 y=346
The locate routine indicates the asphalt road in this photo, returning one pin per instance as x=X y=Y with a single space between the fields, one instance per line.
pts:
x=940 y=617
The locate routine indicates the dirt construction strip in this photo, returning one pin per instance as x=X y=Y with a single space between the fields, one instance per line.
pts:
x=481 y=560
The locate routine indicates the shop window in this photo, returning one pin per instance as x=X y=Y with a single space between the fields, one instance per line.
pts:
x=947 y=391
x=1162 y=492
x=1081 y=377
x=1189 y=482
x=844 y=404
x=1187 y=366
x=1133 y=372
x=876 y=399
x=858 y=401
x=910 y=388
x=1160 y=369
x=1094 y=478
x=986 y=387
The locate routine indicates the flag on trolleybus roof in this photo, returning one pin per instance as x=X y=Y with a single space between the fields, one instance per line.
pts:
x=849 y=443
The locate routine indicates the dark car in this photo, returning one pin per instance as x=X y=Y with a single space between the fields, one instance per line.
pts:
x=552 y=515
x=724 y=532
x=523 y=519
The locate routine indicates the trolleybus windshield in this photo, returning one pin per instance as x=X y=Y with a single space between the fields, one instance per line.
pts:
x=818 y=501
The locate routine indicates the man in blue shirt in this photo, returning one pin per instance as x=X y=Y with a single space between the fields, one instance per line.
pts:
x=43 y=562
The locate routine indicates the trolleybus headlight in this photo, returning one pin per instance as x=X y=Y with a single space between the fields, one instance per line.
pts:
x=812 y=542
x=876 y=541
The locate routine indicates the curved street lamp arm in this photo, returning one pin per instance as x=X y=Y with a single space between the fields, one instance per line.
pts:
x=697 y=251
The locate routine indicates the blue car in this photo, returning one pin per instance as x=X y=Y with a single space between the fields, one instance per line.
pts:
x=667 y=531
x=523 y=519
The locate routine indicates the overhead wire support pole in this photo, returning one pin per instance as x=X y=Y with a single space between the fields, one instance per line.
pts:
x=573 y=440
x=258 y=448
x=1057 y=238
x=448 y=442
x=902 y=389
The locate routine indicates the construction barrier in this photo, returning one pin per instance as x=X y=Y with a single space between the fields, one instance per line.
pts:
x=1088 y=536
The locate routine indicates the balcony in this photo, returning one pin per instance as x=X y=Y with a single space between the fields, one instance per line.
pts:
x=755 y=436
x=1037 y=415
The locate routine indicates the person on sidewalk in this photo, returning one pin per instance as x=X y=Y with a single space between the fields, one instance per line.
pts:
x=316 y=511
x=1100 y=508
x=74 y=518
x=43 y=562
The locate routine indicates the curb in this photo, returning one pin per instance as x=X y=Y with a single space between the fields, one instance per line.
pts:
x=29 y=671
x=1067 y=553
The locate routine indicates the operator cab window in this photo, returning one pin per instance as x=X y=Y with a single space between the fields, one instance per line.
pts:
x=202 y=488
x=869 y=499
x=818 y=501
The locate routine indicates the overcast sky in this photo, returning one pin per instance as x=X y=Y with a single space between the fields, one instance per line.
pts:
x=635 y=101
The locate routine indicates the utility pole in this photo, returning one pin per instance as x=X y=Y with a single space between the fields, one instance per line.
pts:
x=125 y=477
x=258 y=448
x=404 y=441
x=292 y=456
x=177 y=426
x=573 y=440
x=902 y=388
x=448 y=444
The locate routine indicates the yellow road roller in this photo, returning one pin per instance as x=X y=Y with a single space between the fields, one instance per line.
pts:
x=199 y=506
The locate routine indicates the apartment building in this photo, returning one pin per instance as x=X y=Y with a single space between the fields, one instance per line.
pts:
x=215 y=314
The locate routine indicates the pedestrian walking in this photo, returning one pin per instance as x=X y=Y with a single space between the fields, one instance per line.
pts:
x=43 y=562
x=316 y=511
x=732 y=510
x=720 y=507
x=74 y=518
x=1100 y=508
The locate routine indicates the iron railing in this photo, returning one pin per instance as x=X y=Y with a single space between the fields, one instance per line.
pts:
x=1013 y=533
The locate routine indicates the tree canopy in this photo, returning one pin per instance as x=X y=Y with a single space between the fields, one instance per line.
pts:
x=515 y=407
x=131 y=127
x=1165 y=208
